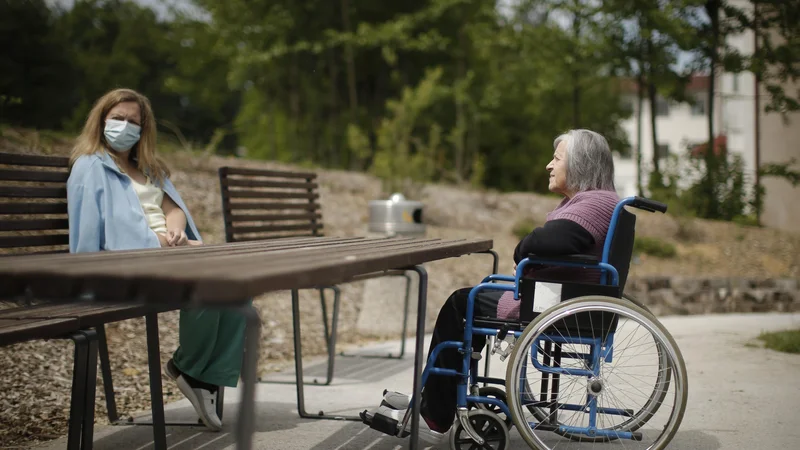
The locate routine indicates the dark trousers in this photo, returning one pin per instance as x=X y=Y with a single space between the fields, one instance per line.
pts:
x=439 y=392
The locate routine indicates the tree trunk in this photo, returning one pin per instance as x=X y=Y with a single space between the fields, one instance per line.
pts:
x=350 y=61
x=334 y=111
x=576 y=90
x=652 y=97
x=639 y=108
x=712 y=9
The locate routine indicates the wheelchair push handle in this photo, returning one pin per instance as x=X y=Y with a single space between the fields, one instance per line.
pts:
x=648 y=205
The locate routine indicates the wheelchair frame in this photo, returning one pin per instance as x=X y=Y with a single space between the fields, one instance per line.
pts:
x=468 y=374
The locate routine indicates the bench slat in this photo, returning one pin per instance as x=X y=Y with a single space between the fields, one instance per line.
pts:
x=33 y=208
x=270 y=228
x=33 y=175
x=13 y=331
x=270 y=205
x=33 y=192
x=35 y=224
x=238 y=182
x=33 y=241
x=266 y=173
x=33 y=160
x=271 y=237
x=272 y=217
x=273 y=194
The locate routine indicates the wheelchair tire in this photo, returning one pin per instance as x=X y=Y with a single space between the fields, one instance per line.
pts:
x=550 y=326
x=488 y=425
x=493 y=392
x=660 y=388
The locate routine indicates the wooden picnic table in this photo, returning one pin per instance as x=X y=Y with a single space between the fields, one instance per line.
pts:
x=230 y=275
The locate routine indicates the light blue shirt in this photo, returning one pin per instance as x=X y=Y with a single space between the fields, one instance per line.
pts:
x=105 y=212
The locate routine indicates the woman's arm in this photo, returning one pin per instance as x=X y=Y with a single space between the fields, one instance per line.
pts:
x=176 y=222
x=556 y=238
x=85 y=218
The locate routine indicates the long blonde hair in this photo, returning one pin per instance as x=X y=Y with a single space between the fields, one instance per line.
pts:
x=92 y=139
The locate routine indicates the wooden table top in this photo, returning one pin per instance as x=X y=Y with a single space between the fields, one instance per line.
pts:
x=219 y=274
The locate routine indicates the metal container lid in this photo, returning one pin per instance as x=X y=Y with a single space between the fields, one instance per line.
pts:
x=396 y=216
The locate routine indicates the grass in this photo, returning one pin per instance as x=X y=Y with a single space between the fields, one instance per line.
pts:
x=783 y=341
x=654 y=247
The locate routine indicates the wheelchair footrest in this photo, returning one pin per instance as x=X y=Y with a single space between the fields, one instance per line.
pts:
x=381 y=423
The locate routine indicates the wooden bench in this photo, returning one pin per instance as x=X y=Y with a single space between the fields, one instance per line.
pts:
x=33 y=220
x=262 y=204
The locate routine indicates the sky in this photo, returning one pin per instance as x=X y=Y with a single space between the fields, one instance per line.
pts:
x=161 y=7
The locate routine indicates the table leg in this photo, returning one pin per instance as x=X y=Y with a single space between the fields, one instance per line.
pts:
x=246 y=420
x=418 y=354
x=298 y=368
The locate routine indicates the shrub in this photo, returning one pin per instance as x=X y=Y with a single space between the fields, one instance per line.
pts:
x=524 y=227
x=654 y=247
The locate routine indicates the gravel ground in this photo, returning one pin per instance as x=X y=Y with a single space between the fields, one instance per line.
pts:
x=36 y=376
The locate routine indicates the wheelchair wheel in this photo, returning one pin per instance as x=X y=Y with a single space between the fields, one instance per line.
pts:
x=634 y=421
x=596 y=369
x=493 y=392
x=488 y=425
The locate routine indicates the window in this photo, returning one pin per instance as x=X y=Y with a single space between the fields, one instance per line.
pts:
x=662 y=151
x=699 y=106
x=662 y=107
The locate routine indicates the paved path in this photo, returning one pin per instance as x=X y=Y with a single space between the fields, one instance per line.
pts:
x=740 y=397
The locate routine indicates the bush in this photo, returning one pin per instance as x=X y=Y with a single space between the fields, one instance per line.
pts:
x=524 y=228
x=654 y=247
x=783 y=341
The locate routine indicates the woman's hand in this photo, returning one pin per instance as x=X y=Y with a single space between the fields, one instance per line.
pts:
x=176 y=237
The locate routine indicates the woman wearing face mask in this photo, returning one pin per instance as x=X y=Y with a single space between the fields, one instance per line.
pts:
x=120 y=198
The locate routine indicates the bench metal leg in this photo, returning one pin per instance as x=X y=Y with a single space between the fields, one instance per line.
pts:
x=330 y=335
x=105 y=369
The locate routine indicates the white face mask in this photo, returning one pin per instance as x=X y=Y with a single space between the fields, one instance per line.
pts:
x=121 y=135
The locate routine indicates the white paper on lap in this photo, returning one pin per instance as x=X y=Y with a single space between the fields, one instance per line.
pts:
x=546 y=295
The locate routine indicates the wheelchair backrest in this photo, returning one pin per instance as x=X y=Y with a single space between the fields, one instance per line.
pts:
x=622 y=240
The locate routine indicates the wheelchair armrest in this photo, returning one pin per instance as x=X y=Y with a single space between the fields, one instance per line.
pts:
x=577 y=259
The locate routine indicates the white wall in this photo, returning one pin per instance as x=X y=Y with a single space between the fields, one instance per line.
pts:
x=679 y=129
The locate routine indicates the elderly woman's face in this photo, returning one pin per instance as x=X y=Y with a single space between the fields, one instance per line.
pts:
x=558 y=170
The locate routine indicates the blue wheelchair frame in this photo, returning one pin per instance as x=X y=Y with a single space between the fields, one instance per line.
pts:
x=468 y=375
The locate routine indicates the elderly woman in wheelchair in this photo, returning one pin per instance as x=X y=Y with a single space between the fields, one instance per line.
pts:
x=586 y=365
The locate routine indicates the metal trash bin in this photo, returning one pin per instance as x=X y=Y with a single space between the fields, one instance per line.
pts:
x=396 y=217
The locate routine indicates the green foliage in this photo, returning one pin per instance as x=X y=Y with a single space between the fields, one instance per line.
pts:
x=524 y=228
x=349 y=84
x=719 y=191
x=783 y=341
x=400 y=155
x=654 y=247
x=782 y=170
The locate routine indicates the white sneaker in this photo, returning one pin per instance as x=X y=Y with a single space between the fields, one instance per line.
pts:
x=204 y=402
x=396 y=400
x=425 y=433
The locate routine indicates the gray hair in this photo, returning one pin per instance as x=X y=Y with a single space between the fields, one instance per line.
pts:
x=590 y=165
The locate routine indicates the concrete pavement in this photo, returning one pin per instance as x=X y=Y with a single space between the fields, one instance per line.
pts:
x=740 y=397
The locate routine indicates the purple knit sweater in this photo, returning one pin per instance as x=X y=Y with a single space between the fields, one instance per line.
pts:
x=590 y=209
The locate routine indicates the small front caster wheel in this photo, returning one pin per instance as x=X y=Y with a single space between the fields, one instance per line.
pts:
x=487 y=425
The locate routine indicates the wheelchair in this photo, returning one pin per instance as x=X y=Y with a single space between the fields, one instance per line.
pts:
x=586 y=366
